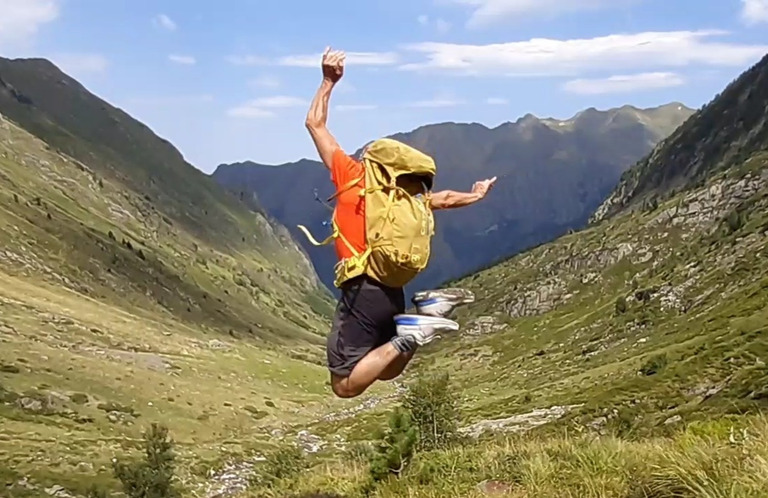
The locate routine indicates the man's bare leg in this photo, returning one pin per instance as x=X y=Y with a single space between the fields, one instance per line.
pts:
x=372 y=367
x=395 y=368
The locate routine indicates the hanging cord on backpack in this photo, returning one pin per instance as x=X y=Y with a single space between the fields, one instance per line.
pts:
x=318 y=199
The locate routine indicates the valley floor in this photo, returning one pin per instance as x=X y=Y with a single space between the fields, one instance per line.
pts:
x=81 y=380
x=643 y=337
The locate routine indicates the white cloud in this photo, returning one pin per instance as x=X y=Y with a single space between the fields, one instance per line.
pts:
x=443 y=100
x=260 y=108
x=313 y=61
x=352 y=59
x=186 y=60
x=623 y=83
x=754 y=11
x=441 y=25
x=172 y=100
x=246 y=111
x=20 y=20
x=165 y=22
x=548 y=57
x=496 y=101
x=247 y=60
x=488 y=12
x=279 y=101
x=77 y=65
x=356 y=107
x=266 y=81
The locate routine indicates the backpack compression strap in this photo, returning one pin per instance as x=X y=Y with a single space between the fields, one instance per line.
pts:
x=357 y=258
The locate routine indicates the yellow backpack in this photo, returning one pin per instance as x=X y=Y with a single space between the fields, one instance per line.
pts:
x=399 y=224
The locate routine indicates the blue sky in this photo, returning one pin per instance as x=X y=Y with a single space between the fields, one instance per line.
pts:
x=231 y=80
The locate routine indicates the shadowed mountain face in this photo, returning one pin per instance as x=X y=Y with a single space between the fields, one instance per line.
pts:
x=551 y=176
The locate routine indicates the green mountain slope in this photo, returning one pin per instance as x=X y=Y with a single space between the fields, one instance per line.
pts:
x=135 y=289
x=655 y=312
x=552 y=175
x=726 y=132
x=631 y=353
x=207 y=257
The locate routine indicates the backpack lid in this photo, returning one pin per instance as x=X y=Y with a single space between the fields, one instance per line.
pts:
x=399 y=158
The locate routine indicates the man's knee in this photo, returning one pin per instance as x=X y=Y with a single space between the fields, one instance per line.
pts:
x=387 y=376
x=341 y=387
x=393 y=371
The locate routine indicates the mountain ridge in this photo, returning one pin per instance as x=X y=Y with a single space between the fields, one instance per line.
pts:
x=438 y=124
x=573 y=164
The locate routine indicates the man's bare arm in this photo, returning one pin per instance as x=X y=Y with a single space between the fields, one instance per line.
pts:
x=450 y=199
x=317 y=116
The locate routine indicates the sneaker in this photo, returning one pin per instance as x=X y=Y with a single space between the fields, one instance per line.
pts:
x=423 y=328
x=441 y=302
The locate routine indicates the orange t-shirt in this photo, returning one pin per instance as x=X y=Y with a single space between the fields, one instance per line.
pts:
x=350 y=206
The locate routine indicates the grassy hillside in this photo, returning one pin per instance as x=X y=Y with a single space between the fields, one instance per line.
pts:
x=552 y=175
x=627 y=359
x=134 y=289
x=178 y=241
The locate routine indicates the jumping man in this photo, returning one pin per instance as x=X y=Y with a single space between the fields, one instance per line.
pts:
x=371 y=338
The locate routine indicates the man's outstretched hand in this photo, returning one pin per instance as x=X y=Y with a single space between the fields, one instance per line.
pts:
x=333 y=64
x=482 y=188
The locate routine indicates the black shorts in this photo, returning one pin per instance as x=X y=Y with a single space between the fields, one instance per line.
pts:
x=364 y=320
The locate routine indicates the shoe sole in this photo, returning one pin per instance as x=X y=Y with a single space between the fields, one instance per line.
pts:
x=456 y=295
x=418 y=320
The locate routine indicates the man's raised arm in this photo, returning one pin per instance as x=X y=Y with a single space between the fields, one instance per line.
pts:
x=317 y=117
x=449 y=199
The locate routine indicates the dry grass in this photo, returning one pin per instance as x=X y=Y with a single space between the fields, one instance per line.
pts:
x=704 y=460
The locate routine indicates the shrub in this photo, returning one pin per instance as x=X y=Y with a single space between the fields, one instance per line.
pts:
x=427 y=421
x=396 y=446
x=153 y=476
x=432 y=406
x=735 y=221
x=621 y=305
x=654 y=364
x=284 y=463
x=95 y=491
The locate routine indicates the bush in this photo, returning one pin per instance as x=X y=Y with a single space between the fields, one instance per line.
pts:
x=654 y=365
x=396 y=446
x=427 y=420
x=95 y=491
x=621 y=305
x=285 y=463
x=433 y=408
x=153 y=476
x=734 y=221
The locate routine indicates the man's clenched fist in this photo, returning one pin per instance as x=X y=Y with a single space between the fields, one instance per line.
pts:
x=333 y=64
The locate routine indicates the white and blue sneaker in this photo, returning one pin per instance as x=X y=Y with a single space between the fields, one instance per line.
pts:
x=423 y=329
x=441 y=302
